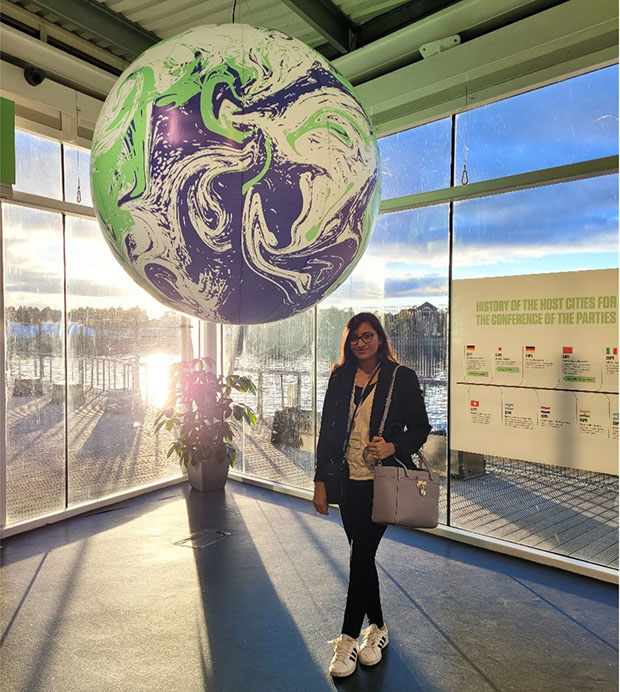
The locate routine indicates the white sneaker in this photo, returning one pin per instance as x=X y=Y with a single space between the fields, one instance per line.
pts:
x=374 y=639
x=344 y=660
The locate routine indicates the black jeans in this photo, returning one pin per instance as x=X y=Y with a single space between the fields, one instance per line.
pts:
x=364 y=536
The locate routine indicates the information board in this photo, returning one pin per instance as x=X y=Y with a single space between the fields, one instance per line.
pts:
x=534 y=368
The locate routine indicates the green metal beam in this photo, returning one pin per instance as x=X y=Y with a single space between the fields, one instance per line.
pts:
x=397 y=18
x=328 y=19
x=7 y=141
x=415 y=10
x=102 y=22
x=606 y=165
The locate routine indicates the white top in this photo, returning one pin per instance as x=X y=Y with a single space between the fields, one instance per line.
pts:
x=360 y=470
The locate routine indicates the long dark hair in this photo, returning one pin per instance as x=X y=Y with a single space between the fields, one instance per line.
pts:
x=385 y=352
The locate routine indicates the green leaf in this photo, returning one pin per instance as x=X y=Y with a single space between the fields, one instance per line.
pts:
x=169 y=424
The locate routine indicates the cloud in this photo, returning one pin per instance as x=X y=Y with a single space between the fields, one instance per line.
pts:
x=36 y=282
x=408 y=285
x=556 y=218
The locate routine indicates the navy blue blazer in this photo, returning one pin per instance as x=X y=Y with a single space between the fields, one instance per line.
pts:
x=406 y=425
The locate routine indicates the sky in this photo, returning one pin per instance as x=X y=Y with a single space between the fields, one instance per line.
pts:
x=562 y=227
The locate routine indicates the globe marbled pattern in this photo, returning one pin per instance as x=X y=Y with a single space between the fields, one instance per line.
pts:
x=235 y=174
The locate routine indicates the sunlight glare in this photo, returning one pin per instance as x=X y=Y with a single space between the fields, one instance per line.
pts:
x=154 y=377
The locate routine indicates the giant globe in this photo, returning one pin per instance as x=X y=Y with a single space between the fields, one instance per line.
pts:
x=235 y=174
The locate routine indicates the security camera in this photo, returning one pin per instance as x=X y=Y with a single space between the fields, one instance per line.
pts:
x=34 y=76
x=439 y=46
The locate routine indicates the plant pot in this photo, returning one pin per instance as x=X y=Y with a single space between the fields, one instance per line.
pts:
x=208 y=474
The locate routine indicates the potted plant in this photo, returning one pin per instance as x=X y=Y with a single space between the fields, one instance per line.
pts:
x=200 y=408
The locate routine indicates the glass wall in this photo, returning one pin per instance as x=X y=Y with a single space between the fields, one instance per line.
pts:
x=120 y=344
x=38 y=169
x=541 y=236
x=279 y=358
x=573 y=120
x=403 y=279
x=34 y=343
x=418 y=260
x=87 y=351
x=427 y=164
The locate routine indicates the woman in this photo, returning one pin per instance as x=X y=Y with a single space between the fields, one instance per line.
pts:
x=349 y=444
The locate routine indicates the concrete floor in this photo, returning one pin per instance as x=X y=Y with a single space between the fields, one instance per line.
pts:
x=238 y=591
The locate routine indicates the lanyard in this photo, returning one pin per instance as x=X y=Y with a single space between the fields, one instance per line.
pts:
x=345 y=445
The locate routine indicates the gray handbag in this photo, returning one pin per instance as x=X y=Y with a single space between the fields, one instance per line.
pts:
x=402 y=496
x=406 y=497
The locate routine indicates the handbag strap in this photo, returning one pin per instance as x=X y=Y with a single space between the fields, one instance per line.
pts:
x=388 y=401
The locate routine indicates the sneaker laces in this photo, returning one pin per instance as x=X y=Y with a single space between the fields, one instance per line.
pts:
x=371 y=636
x=342 y=648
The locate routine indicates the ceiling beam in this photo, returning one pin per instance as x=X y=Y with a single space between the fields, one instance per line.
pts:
x=61 y=36
x=398 y=17
x=100 y=21
x=328 y=19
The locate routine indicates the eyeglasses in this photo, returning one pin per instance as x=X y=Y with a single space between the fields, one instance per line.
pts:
x=366 y=337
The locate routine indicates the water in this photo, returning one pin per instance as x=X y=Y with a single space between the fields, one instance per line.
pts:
x=281 y=383
x=285 y=384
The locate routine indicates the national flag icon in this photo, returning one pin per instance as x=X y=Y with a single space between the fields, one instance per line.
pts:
x=567 y=349
x=474 y=404
x=584 y=414
x=530 y=349
x=610 y=351
x=545 y=411
x=614 y=418
x=470 y=348
x=499 y=348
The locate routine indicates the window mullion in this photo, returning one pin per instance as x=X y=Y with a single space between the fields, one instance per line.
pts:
x=546 y=176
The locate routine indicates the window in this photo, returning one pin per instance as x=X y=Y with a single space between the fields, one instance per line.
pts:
x=564 y=227
x=37 y=165
x=415 y=261
x=574 y=120
x=416 y=160
x=77 y=175
x=120 y=345
x=87 y=351
x=34 y=343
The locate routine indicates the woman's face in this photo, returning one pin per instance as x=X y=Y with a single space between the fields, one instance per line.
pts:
x=358 y=339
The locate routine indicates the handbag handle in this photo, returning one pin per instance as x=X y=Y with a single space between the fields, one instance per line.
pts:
x=420 y=455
